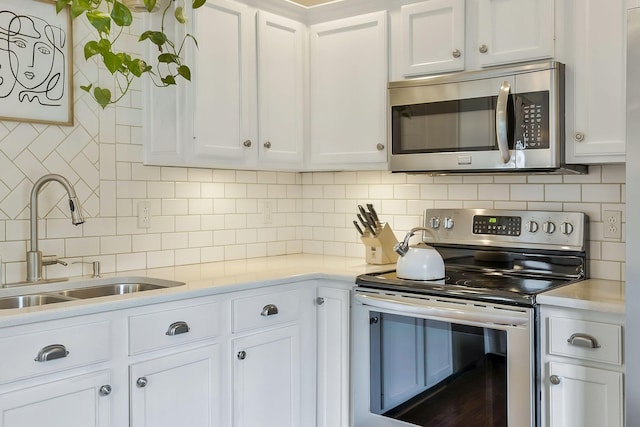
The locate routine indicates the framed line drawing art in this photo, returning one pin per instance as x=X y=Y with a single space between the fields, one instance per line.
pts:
x=36 y=62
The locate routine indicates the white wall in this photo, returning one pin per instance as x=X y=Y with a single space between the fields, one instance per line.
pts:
x=202 y=215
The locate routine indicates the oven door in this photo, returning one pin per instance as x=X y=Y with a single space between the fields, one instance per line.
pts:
x=427 y=361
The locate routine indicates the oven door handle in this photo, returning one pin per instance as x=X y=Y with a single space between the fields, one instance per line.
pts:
x=410 y=306
x=501 y=121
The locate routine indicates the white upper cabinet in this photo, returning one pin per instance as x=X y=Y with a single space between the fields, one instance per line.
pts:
x=433 y=37
x=439 y=36
x=596 y=82
x=281 y=83
x=515 y=30
x=224 y=117
x=348 y=87
x=244 y=107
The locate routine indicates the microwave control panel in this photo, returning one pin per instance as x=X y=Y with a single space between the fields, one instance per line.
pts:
x=532 y=120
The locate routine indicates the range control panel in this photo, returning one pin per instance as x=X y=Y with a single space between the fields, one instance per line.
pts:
x=499 y=225
x=508 y=228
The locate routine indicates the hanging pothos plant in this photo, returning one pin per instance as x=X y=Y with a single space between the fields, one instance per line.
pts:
x=109 y=18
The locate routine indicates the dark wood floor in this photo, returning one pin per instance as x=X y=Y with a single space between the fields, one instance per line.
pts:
x=475 y=398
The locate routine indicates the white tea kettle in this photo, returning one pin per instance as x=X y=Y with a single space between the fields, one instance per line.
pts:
x=421 y=262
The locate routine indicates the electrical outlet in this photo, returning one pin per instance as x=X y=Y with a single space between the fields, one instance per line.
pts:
x=144 y=214
x=267 y=210
x=612 y=224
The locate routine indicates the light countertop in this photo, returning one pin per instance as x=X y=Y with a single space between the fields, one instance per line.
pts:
x=222 y=277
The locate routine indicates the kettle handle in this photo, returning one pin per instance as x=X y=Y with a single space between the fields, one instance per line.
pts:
x=401 y=248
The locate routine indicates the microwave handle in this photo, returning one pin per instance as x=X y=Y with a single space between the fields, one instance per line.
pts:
x=501 y=121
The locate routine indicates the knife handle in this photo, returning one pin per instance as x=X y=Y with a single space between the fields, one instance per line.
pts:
x=358 y=228
x=367 y=225
x=374 y=214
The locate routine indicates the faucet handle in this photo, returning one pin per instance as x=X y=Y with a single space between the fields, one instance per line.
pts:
x=52 y=259
x=96 y=267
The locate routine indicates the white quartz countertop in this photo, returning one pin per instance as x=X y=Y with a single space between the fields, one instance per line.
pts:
x=228 y=276
x=592 y=294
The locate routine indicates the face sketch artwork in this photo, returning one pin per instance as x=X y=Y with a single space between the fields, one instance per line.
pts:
x=32 y=60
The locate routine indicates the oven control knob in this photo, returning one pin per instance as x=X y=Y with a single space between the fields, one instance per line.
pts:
x=434 y=222
x=566 y=228
x=548 y=227
x=532 y=226
x=448 y=223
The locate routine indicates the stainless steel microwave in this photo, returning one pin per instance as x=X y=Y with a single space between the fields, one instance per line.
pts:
x=492 y=121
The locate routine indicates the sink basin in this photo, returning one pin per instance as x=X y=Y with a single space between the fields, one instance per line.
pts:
x=21 y=301
x=110 y=289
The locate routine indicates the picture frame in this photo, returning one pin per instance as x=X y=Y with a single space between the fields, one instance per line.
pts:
x=36 y=62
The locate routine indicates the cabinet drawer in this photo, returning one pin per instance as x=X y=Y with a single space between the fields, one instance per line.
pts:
x=28 y=354
x=574 y=338
x=173 y=326
x=265 y=310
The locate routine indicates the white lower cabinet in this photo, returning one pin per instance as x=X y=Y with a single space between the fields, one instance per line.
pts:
x=274 y=356
x=266 y=384
x=77 y=401
x=332 y=329
x=582 y=379
x=176 y=390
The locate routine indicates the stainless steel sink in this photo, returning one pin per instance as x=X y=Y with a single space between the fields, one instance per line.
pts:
x=110 y=289
x=61 y=292
x=21 y=301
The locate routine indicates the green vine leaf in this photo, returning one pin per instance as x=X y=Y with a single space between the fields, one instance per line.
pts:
x=102 y=96
x=91 y=48
x=150 y=4
x=121 y=15
x=112 y=61
x=180 y=16
x=169 y=80
x=156 y=37
x=197 y=3
x=100 y=21
x=185 y=72
x=168 y=58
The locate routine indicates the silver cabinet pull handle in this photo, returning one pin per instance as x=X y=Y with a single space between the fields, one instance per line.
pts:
x=583 y=340
x=142 y=382
x=269 y=310
x=501 y=121
x=379 y=146
x=483 y=48
x=267 y=144
x=247 y=143
x=319 y=300
x=456 y=53
x=177 y=328
x=579 y=137
x=554 y=379
x=51 y=352
x=105 y=390
x=242 y=355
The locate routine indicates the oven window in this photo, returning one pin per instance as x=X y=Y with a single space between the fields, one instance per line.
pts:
x=433 y=373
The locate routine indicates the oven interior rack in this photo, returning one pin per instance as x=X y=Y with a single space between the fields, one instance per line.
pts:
x=380 y=245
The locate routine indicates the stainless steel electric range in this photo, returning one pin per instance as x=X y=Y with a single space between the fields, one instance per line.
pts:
x=462 y=351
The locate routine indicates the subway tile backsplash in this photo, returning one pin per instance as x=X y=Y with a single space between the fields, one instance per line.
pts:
x=203 y=215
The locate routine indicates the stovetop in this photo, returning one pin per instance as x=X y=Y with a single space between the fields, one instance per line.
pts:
x=534 y=253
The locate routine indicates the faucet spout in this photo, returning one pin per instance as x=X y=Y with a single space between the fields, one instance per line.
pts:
x=34 y=257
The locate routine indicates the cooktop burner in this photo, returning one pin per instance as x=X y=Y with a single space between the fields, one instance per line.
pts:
x=488 y=265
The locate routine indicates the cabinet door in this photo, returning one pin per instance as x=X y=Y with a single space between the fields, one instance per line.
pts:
x=266 y=379
x=596 y=83
x=281 y=113
x=224 y=88
x=70 y=402
x=333 y=357
x=348 y=87
x=176 y=390
x=584 y=397
x=422 y=23
x=515 y=30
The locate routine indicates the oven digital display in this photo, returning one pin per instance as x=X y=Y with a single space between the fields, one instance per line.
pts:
x=497 y=225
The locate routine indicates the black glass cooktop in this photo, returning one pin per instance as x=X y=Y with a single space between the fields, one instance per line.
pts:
x=497 y=276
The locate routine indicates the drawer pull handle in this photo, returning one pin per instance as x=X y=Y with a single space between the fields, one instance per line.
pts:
x=242 y=355
x=177 y=328
x=142 y=382
x=105 y=390
x=269 y=310
x=51 y=352
x=319 y=300
x=554 y=379
x=583 y=340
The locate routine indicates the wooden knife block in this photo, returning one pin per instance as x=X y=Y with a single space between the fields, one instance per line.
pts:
x=380 y=247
